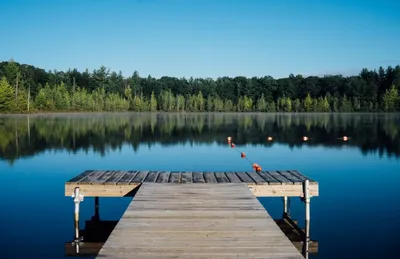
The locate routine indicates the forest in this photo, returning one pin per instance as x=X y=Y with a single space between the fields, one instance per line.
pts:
x=29 y=89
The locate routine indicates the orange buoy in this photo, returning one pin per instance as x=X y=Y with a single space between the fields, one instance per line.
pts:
x=232 y=145
x=269 y=138
x=305 y=138
x=243 y=155
x=256 y=167
x=345 y=138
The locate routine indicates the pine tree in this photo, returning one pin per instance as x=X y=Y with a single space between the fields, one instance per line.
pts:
x=6 y=96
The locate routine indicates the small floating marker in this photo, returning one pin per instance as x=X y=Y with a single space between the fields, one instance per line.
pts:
x=269 y=138
x=344 y=138
x=256 y=167
x=232 y=145
x=242 y=155
x=305 y=138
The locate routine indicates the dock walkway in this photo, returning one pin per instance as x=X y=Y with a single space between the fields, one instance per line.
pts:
x=197 y=221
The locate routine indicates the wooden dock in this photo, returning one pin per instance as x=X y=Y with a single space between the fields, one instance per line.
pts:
x=196 y=214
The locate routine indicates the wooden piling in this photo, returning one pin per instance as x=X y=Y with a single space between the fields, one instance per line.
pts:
x=96 y=209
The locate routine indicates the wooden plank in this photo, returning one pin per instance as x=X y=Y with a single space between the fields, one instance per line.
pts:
x=198 y=177
x=226 y=222
x=210 y=177
x=233 y=178
x=221 y=177
x=104 y=177
x=115 y=177
x=187 y=177
x=257 y=178
x=80 y=176
x=151 y=177
x=271 y=180
x=279 y=177
x=301 y=176
x=91 y=177
x=175 y=177
x=120 y=190
x=289 y=190
x=127 y=178
x=139 y=177
x=163 y=177
x=103 y=190
x=290 y=177
x=244 y=177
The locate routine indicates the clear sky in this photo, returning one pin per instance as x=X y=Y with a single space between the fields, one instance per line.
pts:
x=203 y=38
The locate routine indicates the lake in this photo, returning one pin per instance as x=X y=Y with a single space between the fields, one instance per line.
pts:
x=354 y=216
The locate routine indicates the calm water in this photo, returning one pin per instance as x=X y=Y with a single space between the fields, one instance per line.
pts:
x=355 y=216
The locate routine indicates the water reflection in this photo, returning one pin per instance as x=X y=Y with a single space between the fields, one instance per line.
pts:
x=28 y=135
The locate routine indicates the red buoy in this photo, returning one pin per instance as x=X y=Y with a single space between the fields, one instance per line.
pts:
x=256 y=167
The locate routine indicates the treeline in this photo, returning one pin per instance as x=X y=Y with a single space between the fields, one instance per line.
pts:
x=23 y=136
x=25 y=88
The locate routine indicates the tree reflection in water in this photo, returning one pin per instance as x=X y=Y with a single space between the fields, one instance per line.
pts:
x=27 y=135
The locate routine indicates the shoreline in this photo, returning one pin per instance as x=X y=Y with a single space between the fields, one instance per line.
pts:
x=64 y=113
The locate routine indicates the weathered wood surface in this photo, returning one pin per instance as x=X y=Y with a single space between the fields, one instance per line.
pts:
x=197 y=221
x=122 y=183
x=96 y=233
x=133 y=177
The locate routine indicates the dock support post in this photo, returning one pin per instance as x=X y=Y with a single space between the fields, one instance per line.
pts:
x=285 y=207
x=307 y=198
x=78 y=197
x=96 y=209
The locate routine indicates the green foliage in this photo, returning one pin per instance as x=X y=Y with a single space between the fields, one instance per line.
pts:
x=6 y=96
x=391 y=100
x=307 y=104
x=153 y=102
x=104 y=90
x=261 y=104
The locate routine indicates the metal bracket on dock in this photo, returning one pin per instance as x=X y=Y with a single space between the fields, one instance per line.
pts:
x=77 y=243
x=77 y=195
x=306 y=195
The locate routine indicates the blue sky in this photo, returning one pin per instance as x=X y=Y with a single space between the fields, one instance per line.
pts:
x=203 y=38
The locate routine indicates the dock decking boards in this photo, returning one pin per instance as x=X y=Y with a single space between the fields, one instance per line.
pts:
x=103 y=183
x=197 y=221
